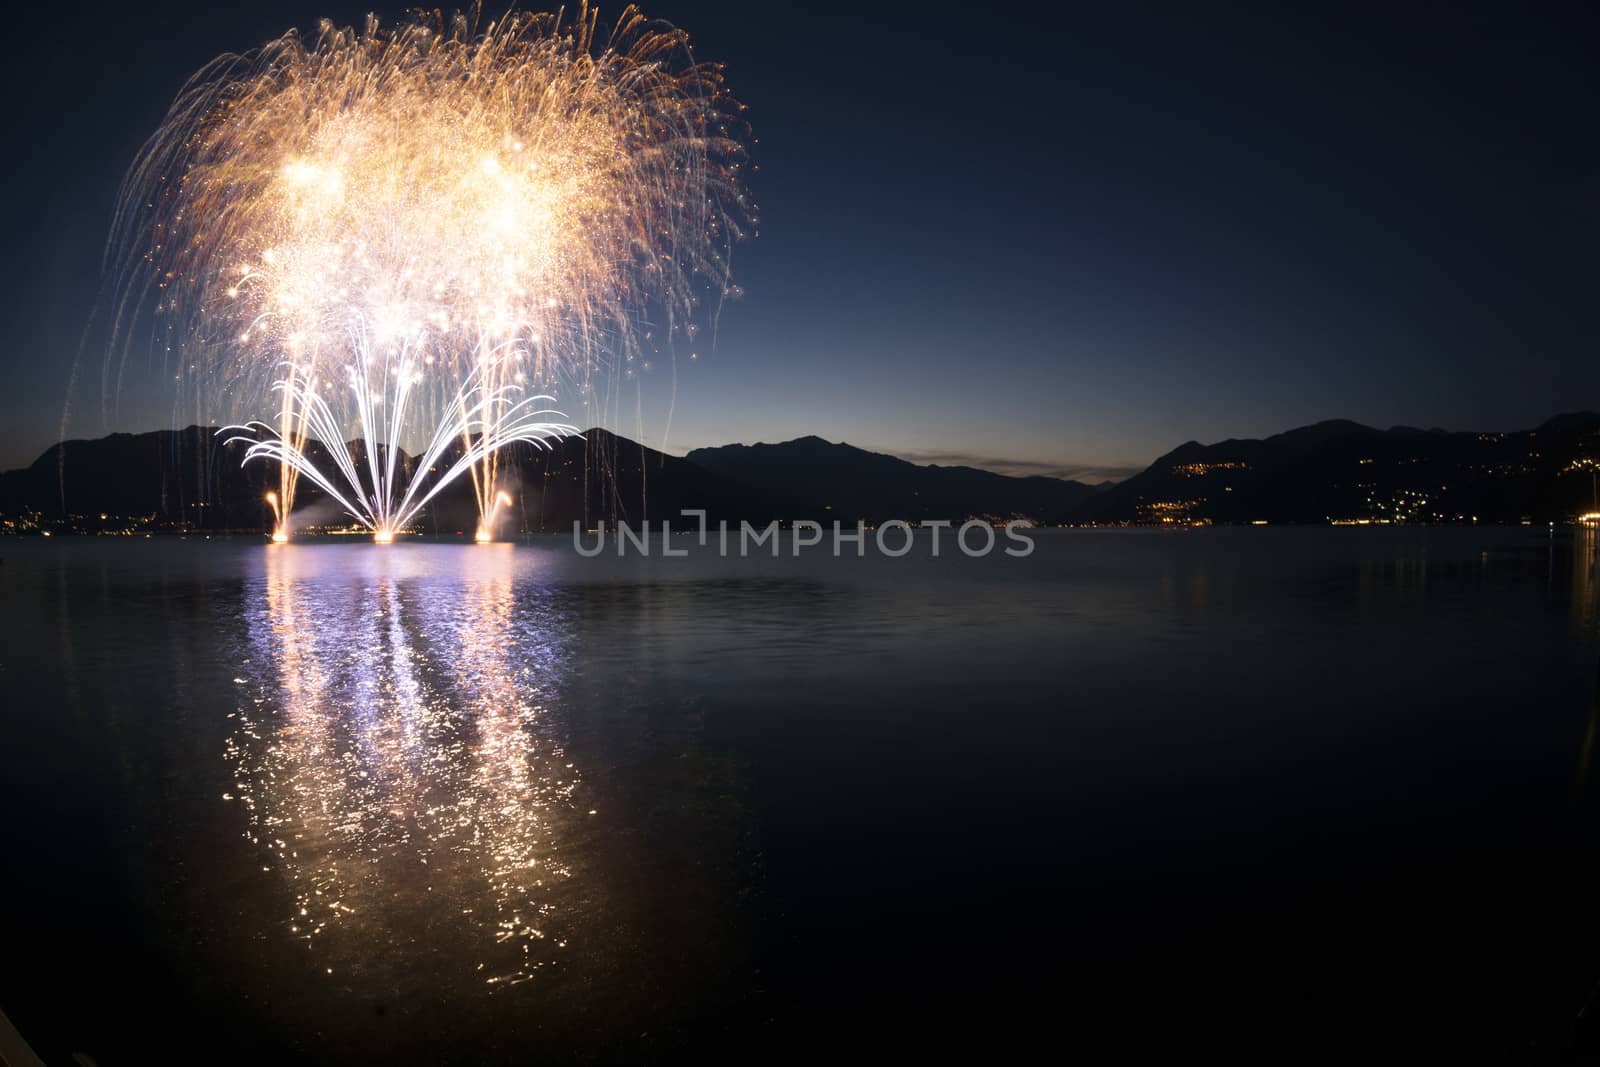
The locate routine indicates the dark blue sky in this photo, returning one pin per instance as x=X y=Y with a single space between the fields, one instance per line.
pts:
x=1064 y=238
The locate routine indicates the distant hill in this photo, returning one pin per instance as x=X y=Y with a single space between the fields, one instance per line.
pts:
x=191 y=478
x=1344 y=470
x=1335 y=470
x=817 y=479
x=174 y=476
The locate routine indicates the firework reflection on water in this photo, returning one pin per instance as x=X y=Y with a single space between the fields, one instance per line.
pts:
x=401 y=778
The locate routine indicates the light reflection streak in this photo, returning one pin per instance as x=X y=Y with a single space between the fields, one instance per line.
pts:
x=398 y=768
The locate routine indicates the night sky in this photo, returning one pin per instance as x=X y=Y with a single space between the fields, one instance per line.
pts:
x=1062 y=240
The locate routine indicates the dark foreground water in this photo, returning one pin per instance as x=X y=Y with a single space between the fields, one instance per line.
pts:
x=1257 y=792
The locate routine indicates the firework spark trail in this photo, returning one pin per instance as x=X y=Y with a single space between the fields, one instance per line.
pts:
x=390 y=233
x=484 y=420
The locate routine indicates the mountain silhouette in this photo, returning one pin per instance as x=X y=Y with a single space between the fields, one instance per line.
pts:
x=194 y=478
x=1344 y=470
x=1334 y=470
x=816 y=479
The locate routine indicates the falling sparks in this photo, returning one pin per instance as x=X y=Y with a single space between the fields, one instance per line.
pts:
x=391 y=238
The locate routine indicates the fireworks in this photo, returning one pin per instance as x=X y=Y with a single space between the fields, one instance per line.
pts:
x=486 y=527
x=390 y=240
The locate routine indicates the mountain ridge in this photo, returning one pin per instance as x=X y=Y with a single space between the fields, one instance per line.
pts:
x=1334 y=470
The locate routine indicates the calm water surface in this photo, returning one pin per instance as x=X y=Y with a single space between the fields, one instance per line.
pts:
x=1257 y=791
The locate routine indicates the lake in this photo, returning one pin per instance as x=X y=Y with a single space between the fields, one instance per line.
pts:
x=1256 y=791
